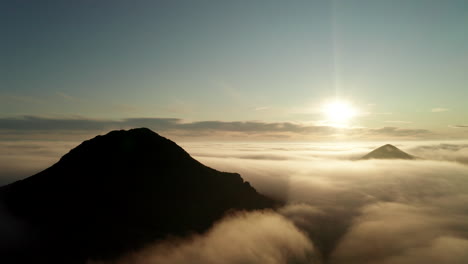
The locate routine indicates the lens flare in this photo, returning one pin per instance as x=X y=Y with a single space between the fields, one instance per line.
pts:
x=339 y=112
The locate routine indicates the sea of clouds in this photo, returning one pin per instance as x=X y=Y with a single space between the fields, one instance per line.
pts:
x=339 y=209
x=363 y=211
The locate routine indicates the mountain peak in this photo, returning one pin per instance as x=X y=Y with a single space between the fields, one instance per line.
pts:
x=390 y=147
x=117 y=192
x=387 y=151
x=135 y=131
x=127 y=145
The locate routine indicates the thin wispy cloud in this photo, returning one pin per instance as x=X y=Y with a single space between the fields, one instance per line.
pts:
x=261 y=108
x=398 y=122
x=458 y=126
x=439 y=110
x=67 y=97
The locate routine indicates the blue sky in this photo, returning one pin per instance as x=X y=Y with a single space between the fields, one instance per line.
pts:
x=401 y=63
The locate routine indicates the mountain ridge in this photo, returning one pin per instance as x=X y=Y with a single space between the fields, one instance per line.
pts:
x=117 y=192
x=387 y=151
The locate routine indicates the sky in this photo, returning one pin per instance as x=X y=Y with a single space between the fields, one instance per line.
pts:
x=287 y=93
x=256 y=67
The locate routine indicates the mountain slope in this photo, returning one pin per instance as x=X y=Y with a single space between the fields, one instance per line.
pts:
x=387 y=152
x=115 y=193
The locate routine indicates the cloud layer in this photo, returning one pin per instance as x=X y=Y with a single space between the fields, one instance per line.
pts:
x=212 y=129
x=372 y=211
x=339 y=209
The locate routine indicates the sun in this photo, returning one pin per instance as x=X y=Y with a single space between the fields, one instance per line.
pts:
x=339 y=112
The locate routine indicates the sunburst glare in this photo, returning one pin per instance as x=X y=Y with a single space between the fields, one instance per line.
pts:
x=339 y=112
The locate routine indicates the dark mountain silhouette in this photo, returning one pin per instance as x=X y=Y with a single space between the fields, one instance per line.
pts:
x=115 y=193
x=387 y=152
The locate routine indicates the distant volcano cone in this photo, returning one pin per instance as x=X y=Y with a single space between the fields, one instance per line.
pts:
x=115 y=193
x=387 y=152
